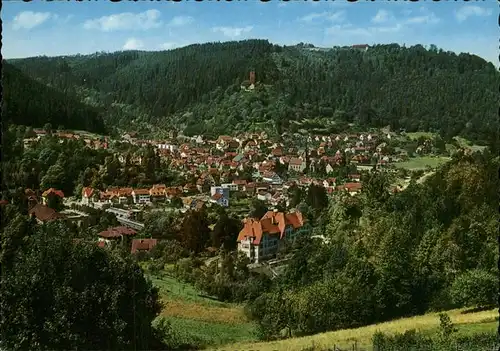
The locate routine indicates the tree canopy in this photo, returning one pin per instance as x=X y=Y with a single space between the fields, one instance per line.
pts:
x=57 y=293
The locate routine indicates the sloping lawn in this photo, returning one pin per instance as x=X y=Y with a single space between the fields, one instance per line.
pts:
x=416 y=163
x=200 y=320
x=466 y=323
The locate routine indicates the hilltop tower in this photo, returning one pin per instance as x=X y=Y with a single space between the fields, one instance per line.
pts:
x=252 y=77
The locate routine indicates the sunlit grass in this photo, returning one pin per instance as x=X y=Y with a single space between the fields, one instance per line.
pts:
x=200 y=320
x=422 y=162
x=416 y=135
x=468 y=323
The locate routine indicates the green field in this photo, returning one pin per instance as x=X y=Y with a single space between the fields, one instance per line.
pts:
x=468 y=145
x=466 y=323
x=200 y=320
x=86 y=134
x=416 y=163
x=211 y=334
x=416 y=135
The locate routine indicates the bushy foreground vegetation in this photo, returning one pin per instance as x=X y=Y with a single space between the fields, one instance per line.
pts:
x=426 y=248
x=430 y=330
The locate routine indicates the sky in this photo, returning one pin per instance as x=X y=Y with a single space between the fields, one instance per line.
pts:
x=66 y=28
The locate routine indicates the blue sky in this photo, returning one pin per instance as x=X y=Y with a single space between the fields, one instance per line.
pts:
x=61 y=28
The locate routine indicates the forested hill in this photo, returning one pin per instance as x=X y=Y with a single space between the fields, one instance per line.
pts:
x=198 y=87
x=28 y=102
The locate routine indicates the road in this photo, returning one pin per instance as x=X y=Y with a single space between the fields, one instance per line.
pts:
x=419 y=180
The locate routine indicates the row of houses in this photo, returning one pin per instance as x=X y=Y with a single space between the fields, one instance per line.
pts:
x=94 y=143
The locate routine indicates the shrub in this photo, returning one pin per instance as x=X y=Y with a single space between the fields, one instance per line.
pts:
x=171 y=338
x=475 y=288
x=409 y=340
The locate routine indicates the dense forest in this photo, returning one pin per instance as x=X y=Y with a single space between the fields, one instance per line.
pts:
x=197 y=88
x=431 y=247
x=28 y=102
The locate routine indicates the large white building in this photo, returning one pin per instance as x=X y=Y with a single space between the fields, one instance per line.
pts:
x=261 y=239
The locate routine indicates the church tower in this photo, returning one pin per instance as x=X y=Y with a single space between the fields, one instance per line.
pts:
x=252 y=77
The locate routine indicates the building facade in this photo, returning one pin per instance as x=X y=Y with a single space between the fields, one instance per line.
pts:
x=261 y=239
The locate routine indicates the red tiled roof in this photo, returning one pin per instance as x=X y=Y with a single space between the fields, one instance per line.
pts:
x=53 y=191
x=141 y=191
x=142 y=244
x=225 y=138
x=44 y=213
x=117 y=232
x=239 y=181
x=157 y=192
x=87 y=192
x=29 y=192
x=296 y=161
x=350 y=187
x=217 y=196
x=119 y=192
x=271 y=223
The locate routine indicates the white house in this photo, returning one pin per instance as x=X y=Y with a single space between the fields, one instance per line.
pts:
x=219 y=199
x=223 y=199
x=297 y=164
x=230 y=186
x=223 y=142
x=89 y=196
x=264 y=196
x=272 y=177
x=141 y=196
x=170 y=147
x=329 y=169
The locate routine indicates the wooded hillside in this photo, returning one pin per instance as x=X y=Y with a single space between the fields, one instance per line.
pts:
x=26 y=101
x=198 y=87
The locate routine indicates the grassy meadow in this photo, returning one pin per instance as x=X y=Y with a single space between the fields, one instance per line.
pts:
x=422 y=162
x=466 y=323
x=199 y=319
x=416 y=135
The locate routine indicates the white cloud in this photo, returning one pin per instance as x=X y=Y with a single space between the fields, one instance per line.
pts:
x=312 y=16
x=472 y=10
x=30 y=19
x=430 y=18
x=232 y=32
x=179 y=21
x=133 y=44
x=338 y=16
x=426 y=17
x=348 y=29
x=382 y=16
x=168 y=46
x=345 y=30
x=126 y=21
x=66 y=19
